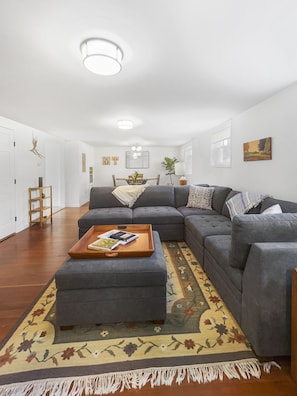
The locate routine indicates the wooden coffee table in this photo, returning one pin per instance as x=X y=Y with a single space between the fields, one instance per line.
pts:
x=141 y=247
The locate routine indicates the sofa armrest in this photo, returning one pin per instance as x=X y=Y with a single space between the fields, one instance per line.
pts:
x=266 y=297
x=254 y=228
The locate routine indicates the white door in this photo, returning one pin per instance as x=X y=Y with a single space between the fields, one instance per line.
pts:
x=7 y=183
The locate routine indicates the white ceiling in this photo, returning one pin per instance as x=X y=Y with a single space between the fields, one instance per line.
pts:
x=188 y=66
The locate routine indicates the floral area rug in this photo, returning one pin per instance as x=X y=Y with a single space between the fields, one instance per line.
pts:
x=200 y=341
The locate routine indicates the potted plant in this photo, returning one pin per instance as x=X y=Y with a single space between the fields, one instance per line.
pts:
x=134 y=177
x=169 y=165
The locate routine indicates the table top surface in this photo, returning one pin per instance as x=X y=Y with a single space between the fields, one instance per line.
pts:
x=137 y=181
x=141 y=247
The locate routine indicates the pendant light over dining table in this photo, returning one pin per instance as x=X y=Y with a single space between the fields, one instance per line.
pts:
x=101 y=56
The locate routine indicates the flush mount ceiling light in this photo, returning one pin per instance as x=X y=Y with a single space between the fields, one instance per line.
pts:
x=101 y=56
x=125 y=124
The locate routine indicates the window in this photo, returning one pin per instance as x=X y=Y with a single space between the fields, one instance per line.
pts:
x=221 y=146
x=188 y=158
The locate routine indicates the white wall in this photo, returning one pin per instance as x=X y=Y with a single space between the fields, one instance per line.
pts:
x=275 y=117
x=78 y=182
x=103 y=173
x=54 y=165
x=29 y=167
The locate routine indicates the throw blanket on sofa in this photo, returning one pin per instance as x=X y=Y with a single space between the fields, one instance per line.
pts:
x=243 y=202
x=128 y=195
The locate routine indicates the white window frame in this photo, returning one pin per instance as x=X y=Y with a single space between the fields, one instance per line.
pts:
x=220 y=150
x=188 y=158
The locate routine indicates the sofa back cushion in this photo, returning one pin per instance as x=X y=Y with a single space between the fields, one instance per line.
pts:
x=225 y=210
x=248 y=229
x=156 y=196
x=219 y=197
x=182 y=194
x=101 y=197
x=286 y=206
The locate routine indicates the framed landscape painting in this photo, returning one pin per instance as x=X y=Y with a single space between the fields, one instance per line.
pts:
x=257 y=150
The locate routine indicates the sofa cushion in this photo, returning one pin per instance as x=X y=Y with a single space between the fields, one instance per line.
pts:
x=101 y=197
x=247 y=230
x=200 y=197
x=182 y=194
x=286 y=206
x=115 y=272
x=156 y=196
x=204 y=225
x=219 y=197
x=114 y=215
x=128 y=195
x=157 y=215
x=219 y=247
x=225 y=210
x=185 y=211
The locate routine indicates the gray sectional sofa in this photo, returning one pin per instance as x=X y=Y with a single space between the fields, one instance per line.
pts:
x=249 y=259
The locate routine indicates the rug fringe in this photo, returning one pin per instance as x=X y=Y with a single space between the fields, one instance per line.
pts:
x=104 y=384
x=266 y=366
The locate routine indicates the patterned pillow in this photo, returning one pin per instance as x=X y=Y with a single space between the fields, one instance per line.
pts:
x=200 y=197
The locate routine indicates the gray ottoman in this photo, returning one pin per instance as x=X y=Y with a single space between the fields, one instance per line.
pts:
x=112 y=290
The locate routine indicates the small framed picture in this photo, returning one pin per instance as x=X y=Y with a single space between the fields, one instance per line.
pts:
x=83 y=162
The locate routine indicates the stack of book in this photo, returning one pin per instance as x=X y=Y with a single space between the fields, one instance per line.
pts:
x=111 y=239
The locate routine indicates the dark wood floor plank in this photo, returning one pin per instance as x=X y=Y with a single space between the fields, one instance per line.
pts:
x=29 y=259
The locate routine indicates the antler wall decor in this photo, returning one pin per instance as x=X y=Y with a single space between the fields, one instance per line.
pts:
x=34 y=148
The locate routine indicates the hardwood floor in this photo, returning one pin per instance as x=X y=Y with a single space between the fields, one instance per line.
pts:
x=30 y=258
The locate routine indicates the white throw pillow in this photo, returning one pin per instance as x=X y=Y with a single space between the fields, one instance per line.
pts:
x=200 y=197
x=273 y=209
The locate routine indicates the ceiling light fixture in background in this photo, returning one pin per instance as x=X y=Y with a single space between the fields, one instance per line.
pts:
x=125 y=124
x=136 y=151
x=101 y=56
x=136 y=148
